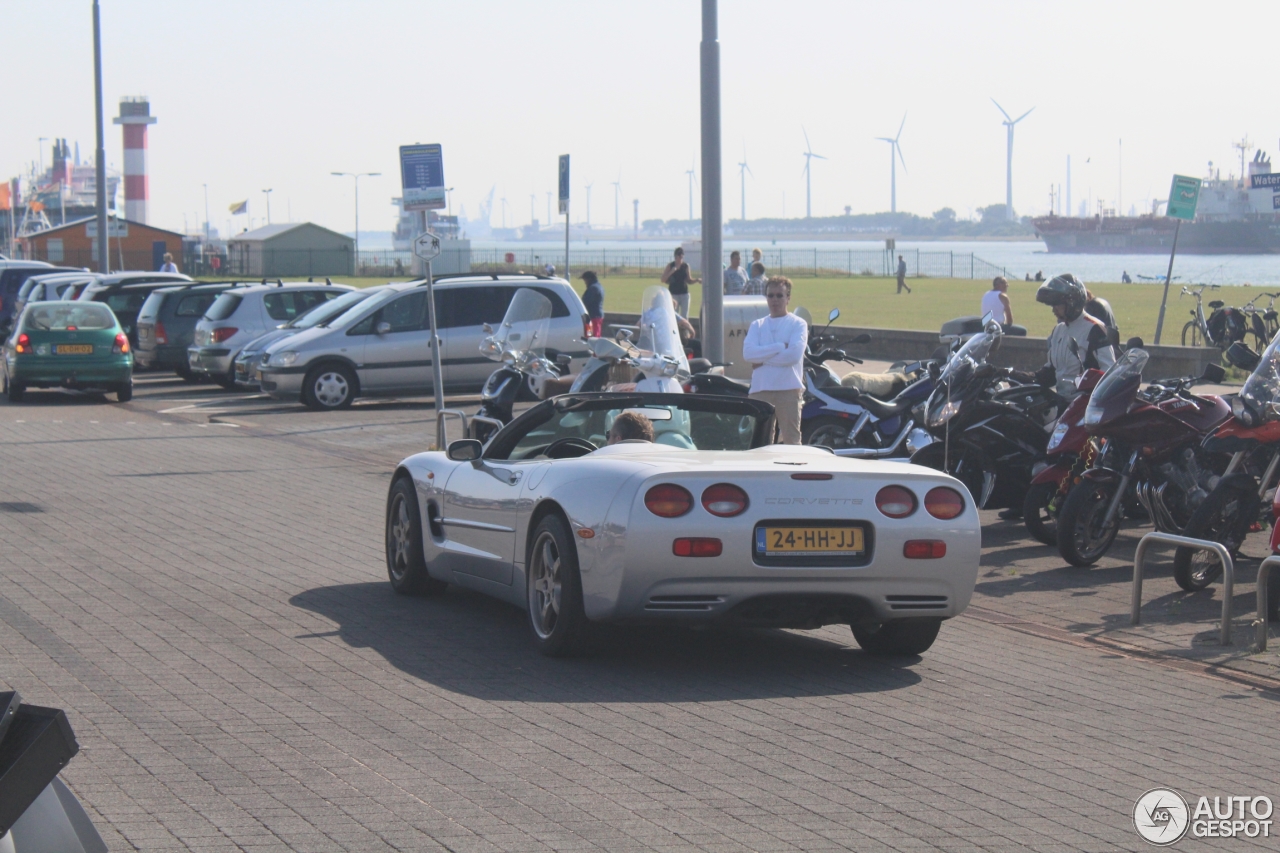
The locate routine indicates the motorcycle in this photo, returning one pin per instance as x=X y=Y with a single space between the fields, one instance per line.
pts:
x=658 y=354
x=1152 y=442
x=1242 y=498
x=983 y=426
x=1069 y=453
x=519 y=343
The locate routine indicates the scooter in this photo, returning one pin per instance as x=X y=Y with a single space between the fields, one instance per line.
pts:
x=525 y=365
x=658 y=354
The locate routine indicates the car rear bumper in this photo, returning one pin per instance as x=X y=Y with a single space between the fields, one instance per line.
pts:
x=43 y=373
x=211 y=360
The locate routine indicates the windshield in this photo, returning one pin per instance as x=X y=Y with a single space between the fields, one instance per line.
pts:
x=1116 y=379
x=63 y=316
x=659 y=332
x=326 y=311
x=973 y=353
x=1263 y=385
x=524 y=327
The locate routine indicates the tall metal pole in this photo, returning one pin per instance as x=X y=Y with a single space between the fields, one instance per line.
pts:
x=566 y=242
x=1008 y=177
x=437 y=372
x=1168 y=279
x=100 y=171
x=206 y=213
x=712 y=215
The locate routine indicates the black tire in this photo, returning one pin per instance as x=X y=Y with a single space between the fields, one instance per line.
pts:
x=124 y=393
x=186 y=374
x=898 y=637
x=1224 y=516
x=226 y=381
x=1191 y=334
x=406 y=565
x=964 y=467
x=553 y=590
x=828 y=431
x=329 y=387
x=1036 y=515
x=13 y=391
x=1081 y=539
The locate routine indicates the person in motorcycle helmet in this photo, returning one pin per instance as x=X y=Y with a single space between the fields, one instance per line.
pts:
x=1080 y=341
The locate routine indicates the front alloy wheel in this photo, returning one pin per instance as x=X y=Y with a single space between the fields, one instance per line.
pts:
x=406 y=564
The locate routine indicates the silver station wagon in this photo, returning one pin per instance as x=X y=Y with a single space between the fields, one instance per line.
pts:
x=382 y=346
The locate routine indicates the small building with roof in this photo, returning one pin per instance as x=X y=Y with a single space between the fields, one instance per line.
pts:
x=290 y=249
x=131 y=245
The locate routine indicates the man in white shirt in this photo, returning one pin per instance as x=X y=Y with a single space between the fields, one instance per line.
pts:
x=996 y=302
x=775 y=347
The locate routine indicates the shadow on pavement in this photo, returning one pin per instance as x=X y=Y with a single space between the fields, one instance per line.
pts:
x=471 y=644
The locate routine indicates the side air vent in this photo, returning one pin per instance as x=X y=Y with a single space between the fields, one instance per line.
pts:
x=701 y=603
x=916 y=602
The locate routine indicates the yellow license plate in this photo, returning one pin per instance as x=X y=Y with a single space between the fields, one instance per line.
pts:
x=73 y=349
x=809 y=540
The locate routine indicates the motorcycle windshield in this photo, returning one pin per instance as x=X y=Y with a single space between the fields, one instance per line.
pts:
x=973 y=353
x=659 y=333
x=524 y=327
x=1263 y=385
x=1117 y=378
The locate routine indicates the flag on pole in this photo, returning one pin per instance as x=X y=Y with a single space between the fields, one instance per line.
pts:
x=240 y=207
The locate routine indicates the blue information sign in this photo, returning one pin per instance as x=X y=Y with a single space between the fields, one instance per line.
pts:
x=564 y=183
x=422 y=177
x=1269 y=181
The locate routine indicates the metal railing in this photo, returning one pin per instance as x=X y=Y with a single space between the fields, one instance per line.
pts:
x=1228 y=575
x=1264 y=609
x=442 y=442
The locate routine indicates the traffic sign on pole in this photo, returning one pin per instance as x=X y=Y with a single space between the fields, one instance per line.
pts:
x=422 y=177
x=564 y=183
x=1183 y=195
x=426 y=246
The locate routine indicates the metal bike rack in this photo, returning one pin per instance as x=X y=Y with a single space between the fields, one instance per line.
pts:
x=1264 y=572
x=1228 y=575
x=441 y=441
x=477 y=420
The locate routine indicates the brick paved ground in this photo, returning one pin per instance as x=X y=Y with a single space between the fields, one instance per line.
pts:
x=209 y=604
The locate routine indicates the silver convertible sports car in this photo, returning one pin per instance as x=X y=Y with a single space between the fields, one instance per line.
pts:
x=705 y=523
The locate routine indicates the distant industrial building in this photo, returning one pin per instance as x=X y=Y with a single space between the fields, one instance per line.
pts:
x=131 y=246
x=290 y=249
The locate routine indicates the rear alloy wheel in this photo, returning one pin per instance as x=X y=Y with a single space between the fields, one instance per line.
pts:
x=329 y=387
x=898 y=637
x=406 y=564
x=554 y=589
x=124 y=393
x=1082 y=539
x=1224 y=517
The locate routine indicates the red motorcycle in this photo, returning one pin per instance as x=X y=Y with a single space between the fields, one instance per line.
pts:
x=1153 y=439
x=1069 y=454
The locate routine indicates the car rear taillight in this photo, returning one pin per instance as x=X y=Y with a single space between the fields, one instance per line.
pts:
x=24 y=344
x=924 y=549
x=668 y=501
x=895 y=501
x=697 y=547
x=161 y=336
x=944 y=503
x=121 y=345
x=725 y=500
x=221 y=334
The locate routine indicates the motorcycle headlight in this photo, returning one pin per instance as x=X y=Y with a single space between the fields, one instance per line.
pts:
x=1059 y=432
x=283 y=359
x=942 y=414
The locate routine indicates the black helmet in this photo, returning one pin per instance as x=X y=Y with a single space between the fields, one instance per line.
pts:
x=1066 y=290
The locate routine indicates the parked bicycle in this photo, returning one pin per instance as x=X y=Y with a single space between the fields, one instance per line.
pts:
x=1262 y=324
x=1223 y=327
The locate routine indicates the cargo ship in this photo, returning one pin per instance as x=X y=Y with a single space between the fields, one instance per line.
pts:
x=1233 y=217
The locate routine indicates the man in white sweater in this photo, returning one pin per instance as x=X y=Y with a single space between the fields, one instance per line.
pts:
x=775 y=347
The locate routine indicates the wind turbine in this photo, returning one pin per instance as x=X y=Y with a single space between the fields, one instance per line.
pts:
x=808 y=175
x=895 y=148
x=589 y=186
x=692 y=180
x=743 y=171
x=1008 y=186
x=617 y=191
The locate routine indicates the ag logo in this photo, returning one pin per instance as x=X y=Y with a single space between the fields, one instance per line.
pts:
x=1161 y=816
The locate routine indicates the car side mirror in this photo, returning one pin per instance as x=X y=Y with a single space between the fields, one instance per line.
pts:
x=465 y=450
x=382 y=328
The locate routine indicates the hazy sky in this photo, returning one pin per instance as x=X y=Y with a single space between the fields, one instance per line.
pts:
x=276 y=93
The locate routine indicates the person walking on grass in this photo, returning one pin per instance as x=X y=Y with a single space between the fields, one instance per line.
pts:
x=996 y=302
x=735 y=277
x=775 y=347
x=755 y=284
x=593 y=301
x=677 y=278
x=902 y=275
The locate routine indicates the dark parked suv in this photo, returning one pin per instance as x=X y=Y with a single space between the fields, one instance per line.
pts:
x=125 y=292
x=167 y=324
x=13 y=274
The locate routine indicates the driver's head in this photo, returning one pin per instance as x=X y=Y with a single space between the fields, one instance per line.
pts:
x=630 y=425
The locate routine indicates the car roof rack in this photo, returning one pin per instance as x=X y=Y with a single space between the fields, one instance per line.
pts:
x=492 y=276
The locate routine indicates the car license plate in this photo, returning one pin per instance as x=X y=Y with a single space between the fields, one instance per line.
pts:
x=810 y=541
x=73 y=349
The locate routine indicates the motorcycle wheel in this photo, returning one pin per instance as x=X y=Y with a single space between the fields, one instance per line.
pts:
x=964 y=467
x=827 y=431
x=1224 y=516
x=1081 y=538
x=1036 y=514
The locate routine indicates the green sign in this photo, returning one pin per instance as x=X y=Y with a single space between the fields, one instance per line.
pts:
x=1183 y=196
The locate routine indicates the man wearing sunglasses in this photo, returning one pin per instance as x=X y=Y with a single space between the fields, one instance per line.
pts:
x=775 y=347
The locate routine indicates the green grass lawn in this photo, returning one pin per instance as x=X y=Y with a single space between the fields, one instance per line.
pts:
x=872 y=302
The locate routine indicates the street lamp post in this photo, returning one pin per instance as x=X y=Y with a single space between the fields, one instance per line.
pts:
x=268 y=193
x=448 y=196
x=206 y=213
x=357 y=176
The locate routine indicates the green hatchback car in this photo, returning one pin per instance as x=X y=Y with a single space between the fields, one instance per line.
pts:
x=68 y=345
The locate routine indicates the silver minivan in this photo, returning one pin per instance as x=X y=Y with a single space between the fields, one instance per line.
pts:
x=382 y=346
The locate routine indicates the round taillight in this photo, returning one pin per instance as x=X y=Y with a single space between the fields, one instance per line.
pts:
x=895 y=501
x=944 y=503
x=725 y=500
x=668 y=501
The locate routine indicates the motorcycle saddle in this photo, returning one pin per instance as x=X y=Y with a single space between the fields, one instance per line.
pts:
x=879 y=408
x=884 y=386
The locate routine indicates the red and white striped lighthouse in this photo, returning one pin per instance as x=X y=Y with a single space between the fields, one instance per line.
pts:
x=135 y=115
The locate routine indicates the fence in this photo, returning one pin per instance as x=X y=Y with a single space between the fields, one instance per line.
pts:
x=826 y=263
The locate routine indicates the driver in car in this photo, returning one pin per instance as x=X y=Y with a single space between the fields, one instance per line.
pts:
x=630 y=426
